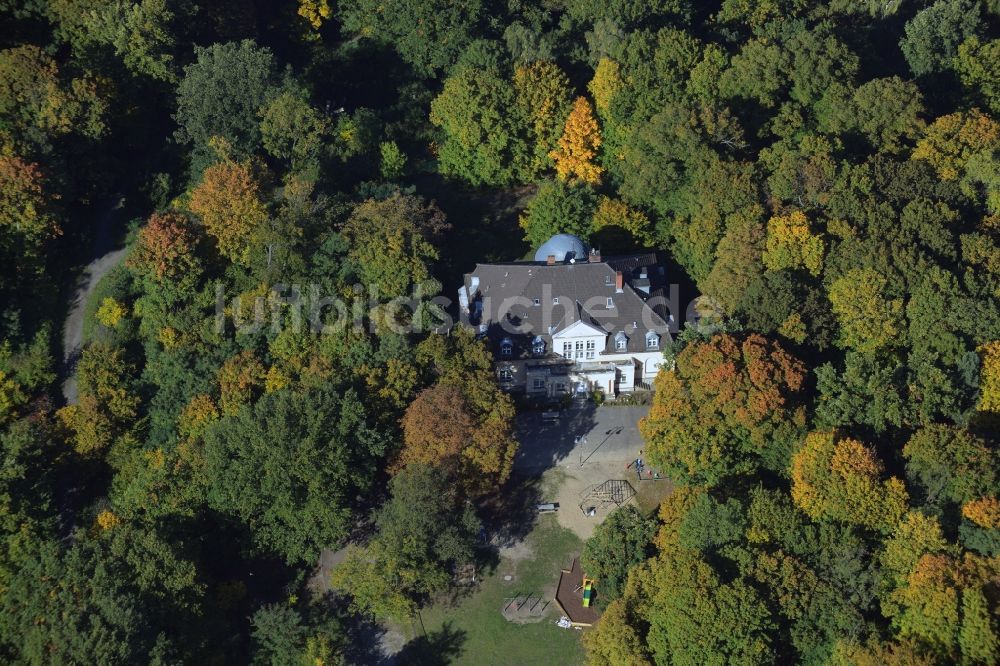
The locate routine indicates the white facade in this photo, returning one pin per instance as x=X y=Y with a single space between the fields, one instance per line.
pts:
x=580 y=342
x=607 y=371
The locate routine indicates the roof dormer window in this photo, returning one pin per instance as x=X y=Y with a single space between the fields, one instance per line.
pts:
x=621 y=342
x=611 y=303
x=652 y=340
x=506 y=347
x=538 y=346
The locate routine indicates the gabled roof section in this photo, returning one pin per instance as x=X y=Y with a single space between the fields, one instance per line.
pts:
x=577 y=329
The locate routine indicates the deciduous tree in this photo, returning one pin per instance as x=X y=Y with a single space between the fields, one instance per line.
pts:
x=165 y=250
x=487 y=137
x=228 y=202
x=946 y=607
x=617 y=227
x=221 y=95
x=933 y=35
x=621 y=542
x=424 y=531
x=576 y=152
x=952 y=140
x=292 y=130
x=392 y=242
x=950 y=464
x=437 y=426
x=870 y=318
x=558 y=208
x=977 y=65
x=791 y=244
x=429 y=34
x=837 y=478
x=989 y=382
x=305 y=456
x=543 y=92
x=730 y=405
x=27 y=218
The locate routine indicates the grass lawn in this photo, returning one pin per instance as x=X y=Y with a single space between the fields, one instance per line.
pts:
x=649 y=495
x=473 y=631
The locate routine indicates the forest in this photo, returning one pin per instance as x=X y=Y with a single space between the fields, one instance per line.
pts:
x=827 y=174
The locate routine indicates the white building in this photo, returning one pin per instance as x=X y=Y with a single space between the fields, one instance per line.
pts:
x=571 y=321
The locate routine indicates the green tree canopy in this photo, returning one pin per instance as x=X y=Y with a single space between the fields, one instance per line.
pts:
x=306 y=455
x=222 y=94
x=621 y=542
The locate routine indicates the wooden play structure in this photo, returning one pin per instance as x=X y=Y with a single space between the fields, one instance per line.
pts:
x=575 y=594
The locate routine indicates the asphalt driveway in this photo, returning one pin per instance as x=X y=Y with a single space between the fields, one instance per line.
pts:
x=584 y=434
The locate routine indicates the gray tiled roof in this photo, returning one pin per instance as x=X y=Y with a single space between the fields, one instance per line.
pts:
x=524 y=293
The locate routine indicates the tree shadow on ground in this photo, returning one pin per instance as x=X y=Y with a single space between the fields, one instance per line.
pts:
x=545 y=442
x=433 y=649
x=509 y=516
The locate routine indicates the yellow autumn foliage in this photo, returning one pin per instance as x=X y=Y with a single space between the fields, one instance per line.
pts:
x=107 y=520
x=606 y=83
x=836 y=478
x=197 y=415
x=790 y=244
x=950 y=141
x=577 y=147
x=989 y=378
x=110 y=313
x=615 y=213
x=314 y=11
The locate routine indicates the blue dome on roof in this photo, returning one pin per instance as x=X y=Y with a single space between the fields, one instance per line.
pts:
x=563 y=247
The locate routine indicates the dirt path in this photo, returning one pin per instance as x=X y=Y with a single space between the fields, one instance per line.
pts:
x=106 y=259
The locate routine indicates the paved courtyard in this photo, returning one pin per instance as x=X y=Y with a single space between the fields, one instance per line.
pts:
x=583 y=435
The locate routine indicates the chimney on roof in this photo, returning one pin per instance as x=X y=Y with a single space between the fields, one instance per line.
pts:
x=619 y=281
x=595 y=256
x=550 y=260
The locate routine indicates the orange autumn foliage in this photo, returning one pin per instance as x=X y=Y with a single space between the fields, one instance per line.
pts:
x=24 y=207
x=240 y=377
x=437 y=426
x=949 y=607
x=229 y=204
x=728 y=403
x=984 y=512
x=165 y=248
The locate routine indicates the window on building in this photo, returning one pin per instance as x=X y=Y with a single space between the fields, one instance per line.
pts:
x=652 y=341
x=555 y=301
x=506 y=347
x=607 y=279
x=579 y=345
x=591 y=345
x=621 y=342
x=611 y=303
x=537 y=302
x=567 y=349
x=590 y=354
x=538 y=384
x=579 y=354
x=506 y=373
